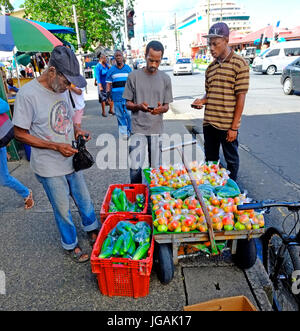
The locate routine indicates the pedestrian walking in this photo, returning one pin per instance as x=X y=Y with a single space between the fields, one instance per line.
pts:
x=78 y=103
x=148 y=92
x=226 y=85
x=5 y=178
x=43 y=108
x=116 y=79
x=101 y=71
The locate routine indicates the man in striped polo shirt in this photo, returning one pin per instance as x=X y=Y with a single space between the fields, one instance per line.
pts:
x=116 y=79
x=226 y=85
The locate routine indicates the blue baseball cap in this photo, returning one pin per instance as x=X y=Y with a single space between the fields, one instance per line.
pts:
x=218 y=30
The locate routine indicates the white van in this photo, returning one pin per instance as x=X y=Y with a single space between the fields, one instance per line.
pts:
x=275 y=58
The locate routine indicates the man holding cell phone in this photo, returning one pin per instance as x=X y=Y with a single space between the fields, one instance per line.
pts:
x=148 y=92
x=226 y=85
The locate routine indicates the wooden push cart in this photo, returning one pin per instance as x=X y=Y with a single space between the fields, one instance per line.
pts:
x=166 y=253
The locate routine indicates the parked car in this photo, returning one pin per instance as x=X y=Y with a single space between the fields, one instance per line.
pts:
x=290 y=78
x=183 y=66
x=275 y=58
x=139 y=63
x=165 y=61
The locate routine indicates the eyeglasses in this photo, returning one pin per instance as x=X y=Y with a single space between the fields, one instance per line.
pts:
x=65 y=81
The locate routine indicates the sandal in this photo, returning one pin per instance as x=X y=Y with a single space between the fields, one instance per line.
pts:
x=92 y=236
x=104 y=115
x=111 y=113
x=79 y=256
x=29 y=202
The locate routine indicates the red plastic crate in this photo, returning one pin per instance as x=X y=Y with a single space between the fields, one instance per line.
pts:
x=131 y=278
x=131 y=190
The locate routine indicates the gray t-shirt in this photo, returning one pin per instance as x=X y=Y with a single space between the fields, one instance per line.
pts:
x=48 y=116
x=142 y=87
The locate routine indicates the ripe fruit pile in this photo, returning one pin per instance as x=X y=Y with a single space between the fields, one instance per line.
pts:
x=177 y=177
x=176 y=215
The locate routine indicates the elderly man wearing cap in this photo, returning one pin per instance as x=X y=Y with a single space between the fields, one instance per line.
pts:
x=43 y=119
x=226 y=85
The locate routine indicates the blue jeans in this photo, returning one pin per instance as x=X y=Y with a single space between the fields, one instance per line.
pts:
x=9 y=181
x=123 y=117
x=59 y=189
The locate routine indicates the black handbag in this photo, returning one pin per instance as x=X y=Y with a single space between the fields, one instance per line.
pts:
x=83 y=159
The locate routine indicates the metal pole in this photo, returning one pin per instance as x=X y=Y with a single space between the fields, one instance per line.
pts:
x=17 y=68
x=78 y=41
x=125 y=24
x=208 y=15
x=76 y=27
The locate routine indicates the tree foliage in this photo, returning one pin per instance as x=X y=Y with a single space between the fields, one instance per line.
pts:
x=101 y=19
x=8 y=7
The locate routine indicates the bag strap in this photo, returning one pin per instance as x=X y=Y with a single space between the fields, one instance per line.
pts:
x=71 y=98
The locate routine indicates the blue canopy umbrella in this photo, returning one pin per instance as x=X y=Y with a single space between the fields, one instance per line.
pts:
x=54 y=28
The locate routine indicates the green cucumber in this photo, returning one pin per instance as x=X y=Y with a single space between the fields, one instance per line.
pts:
x=123 y=201
x=132 y=248
x=106 y=253
x=108 y=242
x=127 y=241
x=118 y=244
x=141 y=251
x=115 y=199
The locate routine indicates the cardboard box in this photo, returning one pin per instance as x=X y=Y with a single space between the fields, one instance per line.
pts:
x=239 y=303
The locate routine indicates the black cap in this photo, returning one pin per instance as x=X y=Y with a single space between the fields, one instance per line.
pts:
x=218 y=30
x=65 y=61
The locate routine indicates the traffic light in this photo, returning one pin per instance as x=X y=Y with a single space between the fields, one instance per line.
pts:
x=130 y=23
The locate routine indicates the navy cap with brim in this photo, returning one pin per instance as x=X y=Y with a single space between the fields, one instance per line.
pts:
x=214 y=36
x=78 y=81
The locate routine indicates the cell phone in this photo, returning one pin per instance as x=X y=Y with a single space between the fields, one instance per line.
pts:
x=151 y=108
x=195 y=106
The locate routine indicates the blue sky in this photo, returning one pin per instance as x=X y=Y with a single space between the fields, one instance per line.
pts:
x=151 y=15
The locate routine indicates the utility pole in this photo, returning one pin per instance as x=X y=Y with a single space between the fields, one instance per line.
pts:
x=175 y=29
x=79 y=42
x=125 y=25
x=221 y=10
x=208 y=15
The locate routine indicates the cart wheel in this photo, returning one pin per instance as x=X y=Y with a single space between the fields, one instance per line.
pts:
x=246 y=253
x=163 y=261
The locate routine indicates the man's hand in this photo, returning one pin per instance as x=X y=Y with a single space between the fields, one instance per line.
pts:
x=198 y=103
x=79 y=132
x=144 y=107
x=158 y=110
x=66 y=150
x=231 y=136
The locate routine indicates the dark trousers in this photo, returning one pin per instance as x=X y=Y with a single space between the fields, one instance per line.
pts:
x=213 y=138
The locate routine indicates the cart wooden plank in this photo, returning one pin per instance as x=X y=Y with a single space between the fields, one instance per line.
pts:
x=177 y=239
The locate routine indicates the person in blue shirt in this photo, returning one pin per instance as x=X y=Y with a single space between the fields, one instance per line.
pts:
x=10 y=85
x=116 y=79
x=5 y=178
x=100 y=72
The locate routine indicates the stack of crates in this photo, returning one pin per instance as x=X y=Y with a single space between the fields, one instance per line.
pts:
x=118 y=276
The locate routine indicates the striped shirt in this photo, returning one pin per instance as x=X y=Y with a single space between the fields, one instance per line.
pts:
x=118 y=77
x=223 y=82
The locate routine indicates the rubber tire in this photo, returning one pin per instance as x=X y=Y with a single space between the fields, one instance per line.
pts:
x=294 y=252
x=271 y=72
x=290 y=91
x=246 y=253
x=164 y=263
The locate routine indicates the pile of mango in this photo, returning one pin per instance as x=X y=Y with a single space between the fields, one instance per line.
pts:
x=177 y=215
